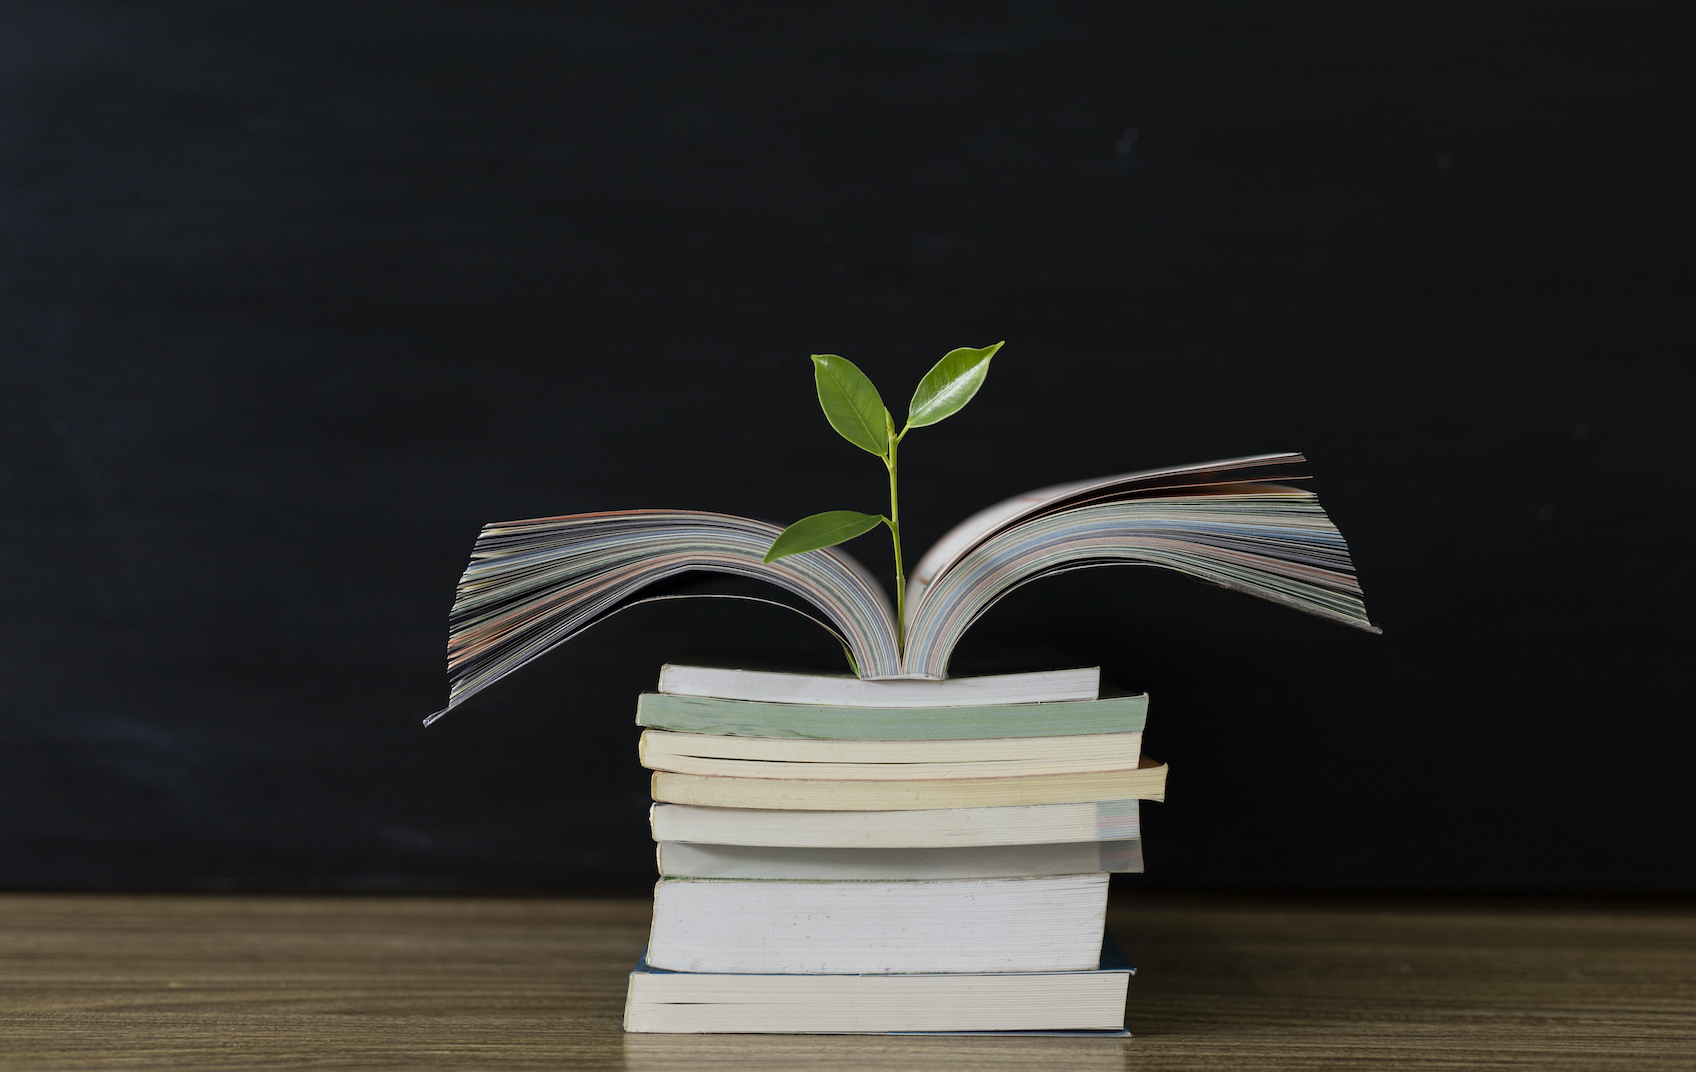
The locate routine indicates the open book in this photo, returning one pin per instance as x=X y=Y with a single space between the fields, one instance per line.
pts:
x=533 y=585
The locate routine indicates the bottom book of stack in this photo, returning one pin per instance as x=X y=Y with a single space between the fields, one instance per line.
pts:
x=1086 y=1002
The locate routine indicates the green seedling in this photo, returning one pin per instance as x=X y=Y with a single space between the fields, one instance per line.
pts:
x=856 y=411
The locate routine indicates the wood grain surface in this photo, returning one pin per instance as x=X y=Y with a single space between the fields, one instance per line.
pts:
x=220 y=981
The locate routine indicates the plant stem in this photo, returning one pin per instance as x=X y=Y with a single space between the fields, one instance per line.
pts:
x=895 y=535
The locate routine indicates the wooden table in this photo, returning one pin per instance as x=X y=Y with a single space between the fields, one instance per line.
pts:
x=91 y=981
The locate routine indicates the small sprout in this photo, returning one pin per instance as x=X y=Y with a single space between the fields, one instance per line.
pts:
x=854 y=408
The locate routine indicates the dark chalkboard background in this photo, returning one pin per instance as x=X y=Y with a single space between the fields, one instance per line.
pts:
x=296 y=296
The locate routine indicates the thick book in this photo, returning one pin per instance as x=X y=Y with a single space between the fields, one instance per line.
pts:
x=1090 y=1001
x=1147 y=782
x=749 y=718
x=532 y=585
x=760 y=757
x=1041 y=824
x=844 y=690
x=860 y=928
x=681 y=859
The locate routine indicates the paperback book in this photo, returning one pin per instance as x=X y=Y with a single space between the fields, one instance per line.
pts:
x=1241 y=524
x=1086 y=1002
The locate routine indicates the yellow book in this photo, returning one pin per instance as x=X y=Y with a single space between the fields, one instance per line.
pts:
x=1147 y=782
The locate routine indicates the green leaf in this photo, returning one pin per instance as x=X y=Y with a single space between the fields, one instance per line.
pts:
x=821 y=530
x=851 y=403
x=949 y=385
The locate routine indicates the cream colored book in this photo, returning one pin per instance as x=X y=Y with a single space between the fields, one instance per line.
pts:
x=756 y=757
x=1147 y=782
x=657 y=748
x=1041 y=824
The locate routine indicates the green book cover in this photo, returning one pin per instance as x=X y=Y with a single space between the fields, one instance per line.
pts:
x=753 y=718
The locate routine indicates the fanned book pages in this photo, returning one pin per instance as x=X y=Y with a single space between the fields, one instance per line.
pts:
x=533 y=585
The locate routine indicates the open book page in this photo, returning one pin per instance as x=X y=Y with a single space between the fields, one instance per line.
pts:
x=532 y=585
x=1265 y=540
x=985 y=523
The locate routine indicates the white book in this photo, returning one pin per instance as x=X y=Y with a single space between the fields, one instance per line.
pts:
x=842 y=690
x=1011 y=1002
x=679 y=859
x=1031 y=824
x=856 y=928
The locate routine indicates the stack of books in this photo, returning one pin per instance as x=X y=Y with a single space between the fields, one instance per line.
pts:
x=841 y=855
x=896 y=851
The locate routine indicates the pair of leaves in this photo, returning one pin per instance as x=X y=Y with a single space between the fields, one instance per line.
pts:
x=856 y=410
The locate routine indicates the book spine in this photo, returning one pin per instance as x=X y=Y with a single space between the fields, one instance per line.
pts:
x=1147 y=783
x=1104 y=820
x=688 y=860
x=884 y=772
x=889 y=691
x=806 y=927
x=748 y=718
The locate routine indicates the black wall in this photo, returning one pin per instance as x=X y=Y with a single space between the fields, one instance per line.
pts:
x=296 y=296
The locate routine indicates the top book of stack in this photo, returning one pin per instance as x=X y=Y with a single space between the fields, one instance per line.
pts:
x=844 y=690
x=1240 y=524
